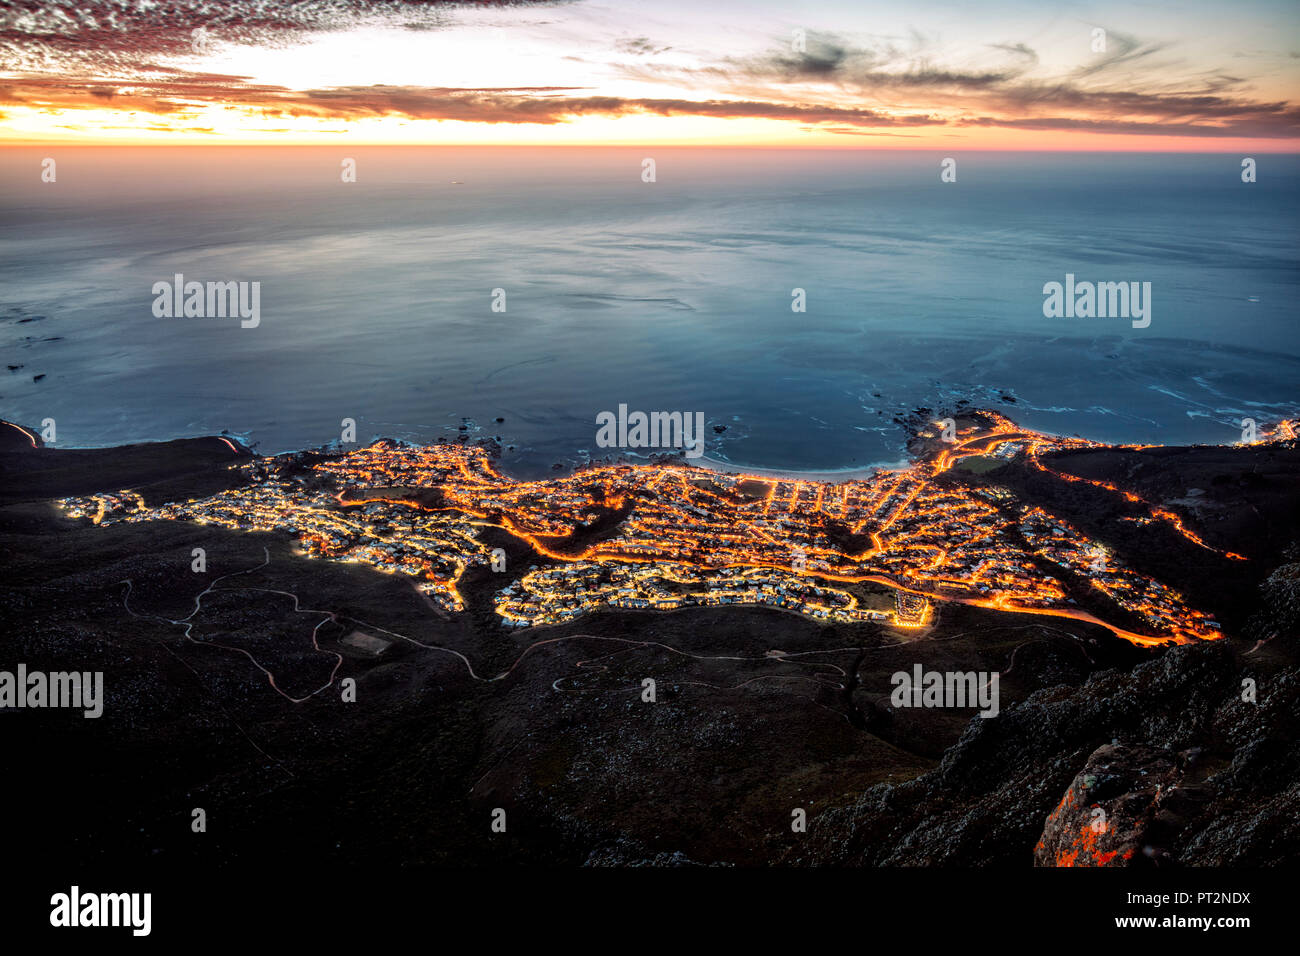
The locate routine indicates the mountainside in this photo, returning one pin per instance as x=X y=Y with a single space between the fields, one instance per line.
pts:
x=1184 y=770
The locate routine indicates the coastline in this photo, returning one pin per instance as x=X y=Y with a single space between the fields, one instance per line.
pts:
x=832 y=475
x=239 y=442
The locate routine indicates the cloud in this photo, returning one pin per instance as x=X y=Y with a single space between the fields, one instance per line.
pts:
x=880 y=72
x=1274 y=123
x=1121 y=50
x=1017 y=48
x=1206 y=116
x=831 y=58
x=117 y=37
x=61 y=55
x=640 y=46
x=537 y=105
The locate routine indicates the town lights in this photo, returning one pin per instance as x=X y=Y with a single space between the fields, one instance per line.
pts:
x=680 y=542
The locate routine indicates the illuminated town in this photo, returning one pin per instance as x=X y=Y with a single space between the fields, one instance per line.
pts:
x=667 y=535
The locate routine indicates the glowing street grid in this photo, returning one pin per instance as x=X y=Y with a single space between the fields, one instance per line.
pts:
x=694 y=537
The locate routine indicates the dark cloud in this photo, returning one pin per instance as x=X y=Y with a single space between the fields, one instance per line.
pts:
x=1018 y=48
x=823 y=55
x=831 y=58
x=640 y=46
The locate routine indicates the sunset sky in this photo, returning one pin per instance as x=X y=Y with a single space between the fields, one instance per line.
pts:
x=1201 y=76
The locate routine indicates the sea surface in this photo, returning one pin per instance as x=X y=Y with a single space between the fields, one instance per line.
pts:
x=672 y=295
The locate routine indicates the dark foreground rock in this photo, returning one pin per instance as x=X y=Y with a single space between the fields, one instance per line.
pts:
x=1128 y=803
x=1186 y=771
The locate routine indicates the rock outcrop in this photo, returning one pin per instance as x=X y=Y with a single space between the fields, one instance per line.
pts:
x=1186 y=771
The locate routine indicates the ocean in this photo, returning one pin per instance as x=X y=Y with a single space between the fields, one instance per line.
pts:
x=376 y=296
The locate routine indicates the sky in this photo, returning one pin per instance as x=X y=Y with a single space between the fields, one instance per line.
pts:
x=924 y=75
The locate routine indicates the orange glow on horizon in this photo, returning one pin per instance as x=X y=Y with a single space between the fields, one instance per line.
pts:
x=30 y=127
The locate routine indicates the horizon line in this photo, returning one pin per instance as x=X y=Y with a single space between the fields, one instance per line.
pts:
x=1293 y=149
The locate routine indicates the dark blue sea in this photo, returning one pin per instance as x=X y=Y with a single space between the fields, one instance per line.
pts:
x=376 y=295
